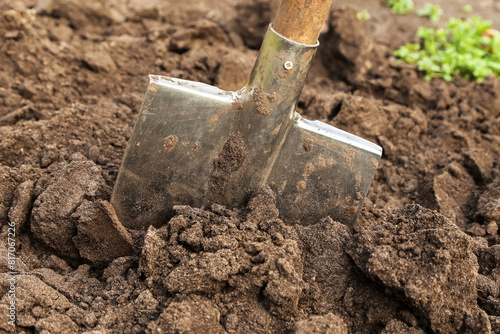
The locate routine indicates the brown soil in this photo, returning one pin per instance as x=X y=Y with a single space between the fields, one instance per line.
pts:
x=229 y=160
x=262 y=101
x=425 y=253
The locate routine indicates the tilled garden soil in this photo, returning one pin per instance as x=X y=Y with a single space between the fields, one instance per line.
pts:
x=424 y=254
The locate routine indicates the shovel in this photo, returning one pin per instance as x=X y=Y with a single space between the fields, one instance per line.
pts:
x=198 y=145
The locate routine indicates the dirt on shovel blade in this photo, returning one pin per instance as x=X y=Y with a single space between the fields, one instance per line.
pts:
x=424 y=256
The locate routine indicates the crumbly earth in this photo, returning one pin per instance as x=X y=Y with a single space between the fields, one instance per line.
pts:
x=424 y=256
x=425 y=259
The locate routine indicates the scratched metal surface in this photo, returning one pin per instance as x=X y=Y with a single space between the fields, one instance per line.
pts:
x=195 y=144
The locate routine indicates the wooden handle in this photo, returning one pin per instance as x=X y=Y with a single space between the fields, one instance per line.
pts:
x=301 y=20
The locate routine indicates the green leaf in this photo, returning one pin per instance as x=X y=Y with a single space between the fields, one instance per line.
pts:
x=401 y=6
x=469 y=48
x=434 y=12
x=467 y=9
x=363 y=15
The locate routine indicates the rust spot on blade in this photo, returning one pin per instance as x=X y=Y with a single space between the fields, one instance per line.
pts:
x=223 y=111
x=170 y=142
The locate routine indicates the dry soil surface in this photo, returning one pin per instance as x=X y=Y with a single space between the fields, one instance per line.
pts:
x=424 y=256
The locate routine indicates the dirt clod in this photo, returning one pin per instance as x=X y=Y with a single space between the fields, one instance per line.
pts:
x=51 y=219
x=347 y=57
x=308 y=145
x=328 y=324
x=97 y=223
x=18 y=19
x=262 y=100
x=230 y=159
x=191 y=315
x=489 y=202
x=235 y=69
x=99 y=61
x=252 y=20
x=424 y=258
x=256 y=255
x=450 y=195
x=21 y=204
x=170 y=142
x=399 y=327
x=153 y=88
x=12 y=191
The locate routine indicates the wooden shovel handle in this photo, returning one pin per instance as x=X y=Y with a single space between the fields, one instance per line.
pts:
x=301 y=20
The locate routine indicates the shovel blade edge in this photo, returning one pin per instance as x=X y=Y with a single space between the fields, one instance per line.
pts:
x=322 y=171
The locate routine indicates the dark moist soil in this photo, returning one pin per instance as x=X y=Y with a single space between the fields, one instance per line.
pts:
x=424 y=256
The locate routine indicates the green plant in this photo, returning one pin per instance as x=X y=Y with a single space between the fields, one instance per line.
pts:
x=434 y=12
x=363 y=15
x=467 y=9
x=469 y=48
x=401 y=6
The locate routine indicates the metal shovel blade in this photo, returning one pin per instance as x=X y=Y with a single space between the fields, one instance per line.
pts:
x=195 y=144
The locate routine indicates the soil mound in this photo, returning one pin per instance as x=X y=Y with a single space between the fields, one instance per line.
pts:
x=423 y=258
